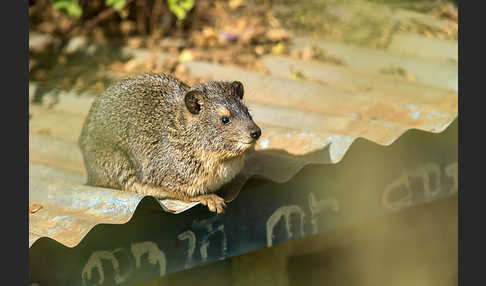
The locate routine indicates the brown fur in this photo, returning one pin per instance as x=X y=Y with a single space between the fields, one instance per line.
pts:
x=154 y=135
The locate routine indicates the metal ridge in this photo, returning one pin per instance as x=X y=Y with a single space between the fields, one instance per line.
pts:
x=90 y=206
x=302 y=123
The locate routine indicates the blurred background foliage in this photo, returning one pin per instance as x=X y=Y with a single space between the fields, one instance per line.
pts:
x=87 y=35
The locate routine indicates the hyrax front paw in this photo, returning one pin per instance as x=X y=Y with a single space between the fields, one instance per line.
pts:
x=213 y=202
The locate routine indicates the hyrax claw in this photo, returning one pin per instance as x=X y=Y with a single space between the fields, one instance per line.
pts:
x=213 y=202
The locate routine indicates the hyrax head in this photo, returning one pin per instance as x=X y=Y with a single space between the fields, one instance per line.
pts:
x=222 y=120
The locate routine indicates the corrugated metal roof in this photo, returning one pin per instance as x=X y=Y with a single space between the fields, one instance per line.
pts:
x=302 y=123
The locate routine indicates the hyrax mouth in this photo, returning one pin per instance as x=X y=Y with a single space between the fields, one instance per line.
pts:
x=246 y=146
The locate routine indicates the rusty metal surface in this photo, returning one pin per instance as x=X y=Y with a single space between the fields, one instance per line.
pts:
x=302 y=123
x=431 y=72
x=370 y=181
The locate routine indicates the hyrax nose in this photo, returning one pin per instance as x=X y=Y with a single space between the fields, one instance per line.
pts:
x=255 y=133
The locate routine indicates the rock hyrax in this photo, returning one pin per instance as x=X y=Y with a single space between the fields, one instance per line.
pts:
x=154 y=135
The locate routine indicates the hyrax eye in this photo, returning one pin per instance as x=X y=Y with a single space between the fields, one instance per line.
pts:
x=225 y=120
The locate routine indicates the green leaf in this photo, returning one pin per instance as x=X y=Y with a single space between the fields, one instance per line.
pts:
x=71 y=7
x=180 y=7
x=116 y=4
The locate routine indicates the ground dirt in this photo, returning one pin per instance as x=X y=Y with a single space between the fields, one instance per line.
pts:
x=236 y=32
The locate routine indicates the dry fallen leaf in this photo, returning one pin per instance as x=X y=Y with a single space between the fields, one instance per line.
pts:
x=235 y=4
x=33 y=208
x=135 y=42
x=259 y=50
x=127 y=27
x=279 y=48
x=276 y=35
x=186 y=56
x=298 y=75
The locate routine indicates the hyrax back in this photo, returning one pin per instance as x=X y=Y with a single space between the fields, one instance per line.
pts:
x=155 y=135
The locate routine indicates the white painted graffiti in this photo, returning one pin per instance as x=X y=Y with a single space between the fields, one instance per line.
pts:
x=430 y=179
x=452 y=171
x=284 y=212
x=94 y=262
x=430 y=175
x=402 y=202
x=155 y=255
x=211 y=230
x=432 y=187
x=191 y=245
x=318 y=206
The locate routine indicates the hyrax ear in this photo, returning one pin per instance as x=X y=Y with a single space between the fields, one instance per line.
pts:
x=238 y=86
x=193 y=100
